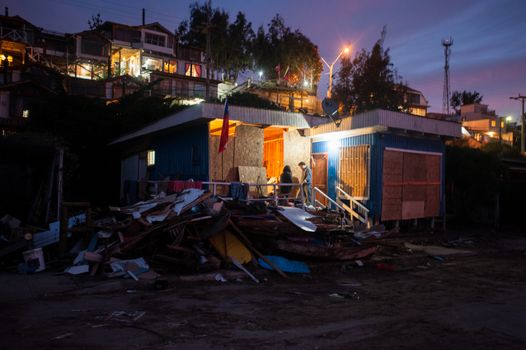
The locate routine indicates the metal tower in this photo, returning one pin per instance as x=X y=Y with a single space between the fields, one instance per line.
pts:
x=447 y=43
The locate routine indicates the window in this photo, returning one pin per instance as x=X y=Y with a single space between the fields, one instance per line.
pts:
x=493 y=123
x=192 y=70
x=502 y=125
x=354 y=170
x=25 y=113
x=170 y=66
x=150 y=158
x=154 y=39
x=151 y=63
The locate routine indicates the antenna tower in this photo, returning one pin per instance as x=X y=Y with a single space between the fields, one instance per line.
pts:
x=447 y=43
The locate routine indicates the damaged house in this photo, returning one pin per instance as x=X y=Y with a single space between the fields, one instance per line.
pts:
x=376 y=166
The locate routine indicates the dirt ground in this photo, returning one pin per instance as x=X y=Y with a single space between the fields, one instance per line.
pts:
x=473 y=301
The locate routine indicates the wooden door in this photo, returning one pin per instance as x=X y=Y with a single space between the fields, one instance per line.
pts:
x=320 y=162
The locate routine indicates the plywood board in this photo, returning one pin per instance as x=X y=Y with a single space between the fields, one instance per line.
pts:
x=432 y=205
x=253 y=175
x=414 y=192
x=391 y=210
x=433 y=165
x=414 y=167
x=248 y=146
x=412 y=209
x=296 y=148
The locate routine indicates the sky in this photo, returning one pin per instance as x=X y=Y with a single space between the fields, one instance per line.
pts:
x=488 y=54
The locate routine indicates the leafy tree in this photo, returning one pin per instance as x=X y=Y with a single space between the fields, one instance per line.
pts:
x=95 y=21
x=240 y=36
x=369 y=81
x=287 y=54
x=193 y=32
x=459 y=98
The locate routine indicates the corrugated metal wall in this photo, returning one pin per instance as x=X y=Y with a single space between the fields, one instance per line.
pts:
x=333 y=149
x=181 y=154
x=378 y=142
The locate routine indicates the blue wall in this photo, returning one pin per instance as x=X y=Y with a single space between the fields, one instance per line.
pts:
x=378 y=142
x=181 y=154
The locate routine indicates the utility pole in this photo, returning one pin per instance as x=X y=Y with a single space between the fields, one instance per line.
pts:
x=522 y=98
x=208 y=48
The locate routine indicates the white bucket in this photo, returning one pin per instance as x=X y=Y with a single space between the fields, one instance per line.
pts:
x=35 y=258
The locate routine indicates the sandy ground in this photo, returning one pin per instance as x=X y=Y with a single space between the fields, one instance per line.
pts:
x=476 y=301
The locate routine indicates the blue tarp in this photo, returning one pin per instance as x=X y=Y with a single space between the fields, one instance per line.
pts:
x=284 y=264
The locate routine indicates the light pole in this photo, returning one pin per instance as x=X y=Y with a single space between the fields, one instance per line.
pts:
x=345 y=50
x=521 y=97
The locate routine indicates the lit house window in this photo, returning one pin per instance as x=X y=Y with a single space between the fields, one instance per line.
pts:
x=150 y=158
x=502 y=125
x=25 y=113
x=192 y=70
x=170 y=66
x=493 y=123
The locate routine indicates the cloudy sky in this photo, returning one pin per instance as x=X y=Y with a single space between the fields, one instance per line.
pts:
x=488 y=55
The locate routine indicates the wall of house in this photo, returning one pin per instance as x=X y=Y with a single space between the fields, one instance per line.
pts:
x=378 y=142
x=244 y=148
x=296 y=148
x=181 y=154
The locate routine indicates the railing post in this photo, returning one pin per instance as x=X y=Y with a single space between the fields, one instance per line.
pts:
x=302 y=197
x=275 y=194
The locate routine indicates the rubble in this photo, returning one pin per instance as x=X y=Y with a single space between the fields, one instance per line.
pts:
x=193 y=231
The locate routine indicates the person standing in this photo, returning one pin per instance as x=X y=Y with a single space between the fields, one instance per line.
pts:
x=306 y=182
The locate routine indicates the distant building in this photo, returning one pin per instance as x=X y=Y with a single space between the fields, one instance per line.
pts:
x=417 y=103
x=484 y=125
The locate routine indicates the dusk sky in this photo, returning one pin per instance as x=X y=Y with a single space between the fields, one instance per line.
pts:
x=488 y=55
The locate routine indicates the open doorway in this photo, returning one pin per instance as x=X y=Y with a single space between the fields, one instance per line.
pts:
x=273 y=151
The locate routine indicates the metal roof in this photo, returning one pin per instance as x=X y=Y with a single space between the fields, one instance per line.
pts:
x=393 y=120
x=209 y=111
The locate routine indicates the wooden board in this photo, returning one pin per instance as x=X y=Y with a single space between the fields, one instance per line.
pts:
x=354 y=170
x=411 y=185
x=248 y=146
x=254 y=174
x=296 y=148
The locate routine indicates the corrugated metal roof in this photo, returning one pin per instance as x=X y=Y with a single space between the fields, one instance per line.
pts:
x=209 y=111
x=390 y=119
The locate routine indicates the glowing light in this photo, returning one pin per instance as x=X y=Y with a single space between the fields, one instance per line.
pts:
x=260 y=73
x=334 y=145
x=150 y=159
x=509 y=118
x=305 y=83
x=346 y=50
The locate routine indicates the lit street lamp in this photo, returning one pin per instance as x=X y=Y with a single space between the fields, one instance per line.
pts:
x=345 y=50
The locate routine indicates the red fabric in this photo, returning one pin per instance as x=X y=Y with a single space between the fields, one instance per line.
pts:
x=224 y=130
x=178 y=186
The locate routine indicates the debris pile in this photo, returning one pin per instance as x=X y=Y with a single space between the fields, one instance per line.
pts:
x=193 y=231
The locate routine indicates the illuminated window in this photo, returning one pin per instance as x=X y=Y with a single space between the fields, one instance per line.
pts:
x=493 y=123
x=170 y=66
x=501 y=125
x=25 y=113
x=150 y=159
x=151 y=63
x=192 y=70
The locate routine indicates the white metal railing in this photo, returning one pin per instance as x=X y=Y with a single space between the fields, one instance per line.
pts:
x=275 y=186
x=317 y=190
x=355 y=208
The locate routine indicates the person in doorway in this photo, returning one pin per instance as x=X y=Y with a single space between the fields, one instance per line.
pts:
x=306 y=182
x=285 y=178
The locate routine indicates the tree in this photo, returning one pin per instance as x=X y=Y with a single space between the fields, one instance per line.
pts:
x=369 y=82
x=460 y=98
x=193 y=32
x=95 y=22
x=284 y=53
x=240 y=36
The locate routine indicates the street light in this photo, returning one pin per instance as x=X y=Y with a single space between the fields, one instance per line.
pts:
x=345 y=51
x=260 y=73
